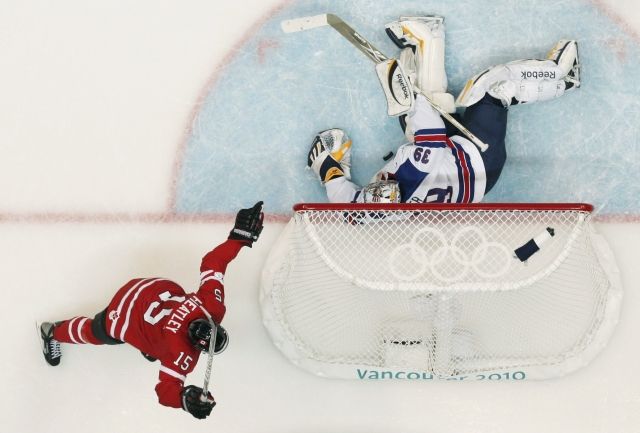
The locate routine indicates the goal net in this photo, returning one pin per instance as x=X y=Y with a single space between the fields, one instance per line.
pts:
x=501 y=291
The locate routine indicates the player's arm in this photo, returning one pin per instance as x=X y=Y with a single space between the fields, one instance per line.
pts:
x=341 y=190
x=171 y=379
x=246 y=230
x=422 y=120
x=172 y=392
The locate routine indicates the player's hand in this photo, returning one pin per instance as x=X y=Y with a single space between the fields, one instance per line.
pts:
x=194 y=402
x=248 y=225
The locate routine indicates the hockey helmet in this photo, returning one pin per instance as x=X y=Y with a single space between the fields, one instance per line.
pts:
x=382 y=191
x=200 y=336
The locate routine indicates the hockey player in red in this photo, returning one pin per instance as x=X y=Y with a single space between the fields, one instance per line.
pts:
x=165 y=323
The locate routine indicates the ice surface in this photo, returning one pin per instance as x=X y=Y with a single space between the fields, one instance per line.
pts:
x=249 y=141
x=256 y=124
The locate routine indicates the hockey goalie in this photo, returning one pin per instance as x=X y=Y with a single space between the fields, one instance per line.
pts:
x=440 y=164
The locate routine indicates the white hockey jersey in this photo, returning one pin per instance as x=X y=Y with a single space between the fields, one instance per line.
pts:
x=433 y=169
x=438 y=169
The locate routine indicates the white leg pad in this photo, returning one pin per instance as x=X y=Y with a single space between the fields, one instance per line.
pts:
x=523 y=80
x=426 y=38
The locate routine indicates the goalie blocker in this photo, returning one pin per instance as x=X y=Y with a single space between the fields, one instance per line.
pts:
x=396 y=87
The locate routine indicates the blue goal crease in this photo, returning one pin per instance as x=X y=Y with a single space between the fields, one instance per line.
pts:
x=252 y=133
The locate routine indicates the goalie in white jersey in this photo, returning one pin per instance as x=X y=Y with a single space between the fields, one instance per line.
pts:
x=439 y=164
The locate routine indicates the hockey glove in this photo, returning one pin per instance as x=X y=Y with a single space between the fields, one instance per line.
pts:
x=192 y=402
x=248 y=225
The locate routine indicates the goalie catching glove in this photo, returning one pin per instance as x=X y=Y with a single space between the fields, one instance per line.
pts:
x=330 y=155
x=248 y=225
x=193 y=401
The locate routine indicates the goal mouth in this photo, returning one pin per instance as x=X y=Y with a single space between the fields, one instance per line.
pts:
x=525 y=290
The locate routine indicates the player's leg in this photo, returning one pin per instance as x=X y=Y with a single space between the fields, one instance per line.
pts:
x=526 y=81
x=487 y=120
x=78 y=330
x=50 y=346
x=73 y=331
x=422 y=40
x=488 y=94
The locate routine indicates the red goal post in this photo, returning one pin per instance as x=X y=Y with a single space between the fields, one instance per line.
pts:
x=443 y=290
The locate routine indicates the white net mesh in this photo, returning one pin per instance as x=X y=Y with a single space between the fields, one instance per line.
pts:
x=437 y=291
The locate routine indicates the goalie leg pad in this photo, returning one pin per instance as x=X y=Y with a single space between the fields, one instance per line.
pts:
x=424 y=37
x=526 y=81
x=396 y=87
x=518 y=82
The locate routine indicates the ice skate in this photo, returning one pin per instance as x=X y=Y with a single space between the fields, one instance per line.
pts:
x=565 y=55
x=50 y=346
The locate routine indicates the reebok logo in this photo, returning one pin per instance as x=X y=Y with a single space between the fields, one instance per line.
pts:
x=403 y=85
x=549 y=75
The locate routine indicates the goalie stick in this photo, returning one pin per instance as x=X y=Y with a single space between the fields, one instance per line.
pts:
x=375 y=55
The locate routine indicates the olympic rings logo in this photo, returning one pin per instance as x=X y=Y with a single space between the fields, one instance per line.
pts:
x=450 y=261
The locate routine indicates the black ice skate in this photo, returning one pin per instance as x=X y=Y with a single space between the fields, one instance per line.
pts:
x=50 y=346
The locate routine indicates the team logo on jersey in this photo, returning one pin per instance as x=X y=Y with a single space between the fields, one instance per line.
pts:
x=113 y=315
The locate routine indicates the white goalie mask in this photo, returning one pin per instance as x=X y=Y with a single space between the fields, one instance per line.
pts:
x=382 y=191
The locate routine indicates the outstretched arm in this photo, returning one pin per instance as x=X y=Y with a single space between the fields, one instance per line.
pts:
x=246 y=231
x=248 y=225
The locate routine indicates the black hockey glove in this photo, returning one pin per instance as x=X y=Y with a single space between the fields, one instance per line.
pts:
x=248 y=225
x=192 y=402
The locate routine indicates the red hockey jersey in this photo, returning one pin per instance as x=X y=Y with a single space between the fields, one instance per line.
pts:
x=153 y=315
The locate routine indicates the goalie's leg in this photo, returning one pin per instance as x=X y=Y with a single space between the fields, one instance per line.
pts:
x=422 y=42
x=526 y=81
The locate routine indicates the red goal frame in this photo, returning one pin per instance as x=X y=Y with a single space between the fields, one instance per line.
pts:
x=576 y=207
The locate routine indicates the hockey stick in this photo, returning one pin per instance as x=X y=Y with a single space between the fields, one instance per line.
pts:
x=212 y=346
x=358 y=41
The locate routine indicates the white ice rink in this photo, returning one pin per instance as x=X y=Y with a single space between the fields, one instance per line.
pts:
x=95 y=101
